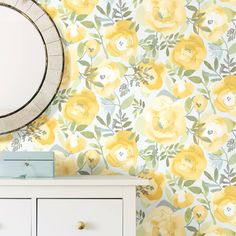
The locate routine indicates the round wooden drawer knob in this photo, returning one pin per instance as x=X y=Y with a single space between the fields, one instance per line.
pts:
x=81 y=225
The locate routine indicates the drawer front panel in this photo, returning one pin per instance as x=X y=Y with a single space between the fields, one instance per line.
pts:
x=15 y=217
x=60 y=217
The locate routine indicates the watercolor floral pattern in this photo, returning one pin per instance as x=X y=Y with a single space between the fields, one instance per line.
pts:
x=149 y=89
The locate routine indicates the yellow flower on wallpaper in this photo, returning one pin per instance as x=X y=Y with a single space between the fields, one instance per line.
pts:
x=80 y=7
x=46 y=127
x=74 y=144
x=71 y=70
x=164 y=16
x=216 y=130
x=200 y=213
x=164 y=120
x=92 y=158
x=189 y=163
x=225 y=205
x=182 y=89
x=200 y=103
x=214 y=22
x=121 y=39
x=232 y=2
x=5 y=139
x=82 y=107
x=182 y=199
x=189 y=53
x=121 y=150
x=92 y=47
x=156 y=184
x=74 y=34
x=154 y=74
x=65 y=166
x=163 y=221
x=109 y=75
x=52 y=11
x=218 y=231
x=224 y=93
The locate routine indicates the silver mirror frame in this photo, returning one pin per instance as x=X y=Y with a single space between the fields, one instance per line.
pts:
x=54 y=66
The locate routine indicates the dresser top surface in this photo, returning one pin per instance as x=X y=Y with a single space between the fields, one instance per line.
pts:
x=77 y=181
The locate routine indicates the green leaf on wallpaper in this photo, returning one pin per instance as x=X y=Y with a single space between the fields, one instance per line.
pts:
x=208 y=175
x=80 y=160
x=188 y=215
x=188 y=72
x=81 y=127
x=87 y=134
x=80 y=49
x=232 y=49
x=208 y=65
x=196 y=79
x=188 y=183
x=232 y=159
x=101 y=10
x=88 y=24
x=205 y=187
x=84 y=63
x=81 y=17
x=188 y=104
x=196 y=190
x=127 y=102
x=132 y=171
x=101 y=121
x=98 y=132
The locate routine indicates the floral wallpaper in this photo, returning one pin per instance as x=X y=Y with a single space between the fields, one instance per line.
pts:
x=149 y=89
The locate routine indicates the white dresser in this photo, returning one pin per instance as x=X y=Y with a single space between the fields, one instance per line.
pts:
x=82 y=206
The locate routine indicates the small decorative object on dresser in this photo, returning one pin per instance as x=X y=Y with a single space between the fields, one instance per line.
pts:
x=86 y=206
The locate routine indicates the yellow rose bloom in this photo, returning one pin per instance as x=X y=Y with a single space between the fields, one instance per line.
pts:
x=82 y=107
x=224 y=93
x=189 y=53
x=74 y=34
x=5 y=139
x=182 y=199
x=232 y=2
x=225 y=205
x=183 y=89
x=216 y=22
x=163 y=221
x=200 y=213
x=52 y=11
x=154 y=73
x=80 y=7
x=217 y=231
x=92 y=47
x=65 y=166
x=92 y=158
x=109 y=75
x=121 y=39
x=164 y=120
x=71 y=69
x=200 y=103
x=189 y=163
x=75 y=144
x=164 y=16
x=156 y=184
x=121 y=150
x=216 y=130
x=46 y=127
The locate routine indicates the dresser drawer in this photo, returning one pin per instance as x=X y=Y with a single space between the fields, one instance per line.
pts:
x=60 y=217
x=15 y=217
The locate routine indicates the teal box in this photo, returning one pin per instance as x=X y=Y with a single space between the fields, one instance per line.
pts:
x=26 y=164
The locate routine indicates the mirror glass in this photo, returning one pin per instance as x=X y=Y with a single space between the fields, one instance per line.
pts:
x=22 y=60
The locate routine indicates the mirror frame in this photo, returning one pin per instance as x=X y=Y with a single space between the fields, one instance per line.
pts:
x=54 y=66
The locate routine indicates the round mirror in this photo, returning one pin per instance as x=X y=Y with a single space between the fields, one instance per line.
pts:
x=31 y=63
